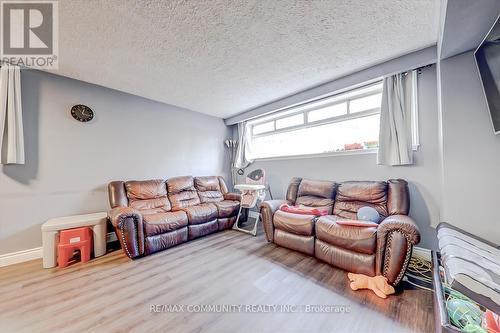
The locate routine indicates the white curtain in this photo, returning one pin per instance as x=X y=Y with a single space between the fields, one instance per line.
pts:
x=11 y=117
x=242 y=160
x=395 y=138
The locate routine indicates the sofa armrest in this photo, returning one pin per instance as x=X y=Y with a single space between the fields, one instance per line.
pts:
x=129 y=230
x=401 y=223
x=396 y=236
x=232 y=196
x=267 y=210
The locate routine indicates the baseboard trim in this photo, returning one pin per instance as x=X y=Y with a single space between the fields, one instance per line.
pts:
x=20 y=256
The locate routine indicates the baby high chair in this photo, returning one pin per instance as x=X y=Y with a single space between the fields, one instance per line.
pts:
x=252 y=194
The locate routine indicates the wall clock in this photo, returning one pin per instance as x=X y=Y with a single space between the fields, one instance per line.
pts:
x=82 y=113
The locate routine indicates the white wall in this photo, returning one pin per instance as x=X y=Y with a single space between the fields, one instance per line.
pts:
x=471 y=152
x=69 y=163
x=423 y=176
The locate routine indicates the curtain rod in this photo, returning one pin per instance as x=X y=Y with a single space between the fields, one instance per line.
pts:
x=4 y=62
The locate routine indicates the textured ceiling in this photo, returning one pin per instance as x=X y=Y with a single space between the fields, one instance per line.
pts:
x=224 y=57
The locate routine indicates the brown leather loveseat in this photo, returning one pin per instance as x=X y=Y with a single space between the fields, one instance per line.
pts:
x=153 y=215
x=384 y=250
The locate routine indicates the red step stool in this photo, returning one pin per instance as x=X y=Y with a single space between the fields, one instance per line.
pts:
x=74 y=239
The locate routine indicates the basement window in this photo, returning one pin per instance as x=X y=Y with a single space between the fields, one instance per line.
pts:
x=346 y=122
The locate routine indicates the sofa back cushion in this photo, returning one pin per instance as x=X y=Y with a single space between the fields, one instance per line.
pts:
x=117 y=194
x=316 y=193
x=398 y=197
x=353 y=195
x=182 y=193
x=293 y=188
x=147 y=195
x=209 y=189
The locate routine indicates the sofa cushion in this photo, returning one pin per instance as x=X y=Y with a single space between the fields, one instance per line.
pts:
x=298 y=224
x=358 y=239
x=199 y=230
x=160 y=242
x=355 y=194
x=227 y=208
x=304 y=244
x=145 y=189
x=158 y=204
x=201 y=213
x=182 y=193
x=316 y=188
x=149 y=211
x=316 y=202
x=148 y=194
x=160 y=223
x=350 y=261
x=316 y=193
x=226 y=222
x=209 y=189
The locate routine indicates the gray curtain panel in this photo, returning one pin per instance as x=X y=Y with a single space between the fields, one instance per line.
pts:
x=242 y=160
x=395 y=138
x=11 y=116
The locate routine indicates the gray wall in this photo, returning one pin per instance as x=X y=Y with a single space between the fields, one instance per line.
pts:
x=464 y=24
x=471 y=152
x=423 y=176
x=70 y=163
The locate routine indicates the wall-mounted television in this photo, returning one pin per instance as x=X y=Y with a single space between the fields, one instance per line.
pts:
x=488 y=63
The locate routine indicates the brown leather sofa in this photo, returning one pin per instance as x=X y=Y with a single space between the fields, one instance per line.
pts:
x=153 y=215
x=384 y=250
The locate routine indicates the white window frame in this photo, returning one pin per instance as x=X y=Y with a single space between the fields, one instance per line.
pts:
x=309 y=106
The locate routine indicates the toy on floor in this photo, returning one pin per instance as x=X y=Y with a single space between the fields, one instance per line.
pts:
x=464 y=314
x=71 y=240
x=378 y=284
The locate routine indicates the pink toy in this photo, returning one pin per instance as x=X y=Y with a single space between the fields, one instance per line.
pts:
x=304 y=210
x=357 y=223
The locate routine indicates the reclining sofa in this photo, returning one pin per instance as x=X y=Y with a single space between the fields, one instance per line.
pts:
x=153 y=215
x=383 y=250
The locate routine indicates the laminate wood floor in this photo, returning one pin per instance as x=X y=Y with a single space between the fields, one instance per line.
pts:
x=116 y=294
